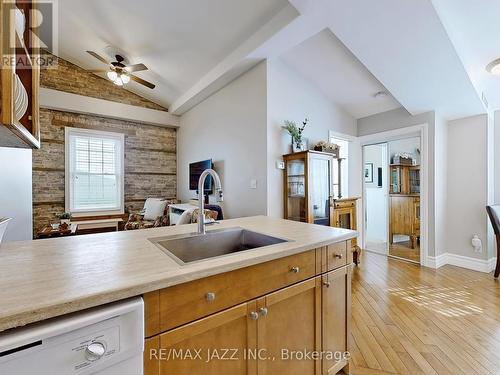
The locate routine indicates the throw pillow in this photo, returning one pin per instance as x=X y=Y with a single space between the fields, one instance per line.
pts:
x=154 y=208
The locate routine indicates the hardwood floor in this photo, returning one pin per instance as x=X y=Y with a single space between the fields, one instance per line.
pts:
x=412 y=320
x=404 y=250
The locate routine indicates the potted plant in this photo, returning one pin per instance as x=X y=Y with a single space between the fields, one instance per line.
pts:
x=65 y=217
x=295 y=132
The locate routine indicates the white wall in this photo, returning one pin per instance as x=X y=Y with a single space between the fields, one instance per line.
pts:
x=292 y=97
x=496 y=150
x=376 y=202
x=467 y=182
x=440 y=184
x=405 y=145
x=15 y=193
x=229 y=127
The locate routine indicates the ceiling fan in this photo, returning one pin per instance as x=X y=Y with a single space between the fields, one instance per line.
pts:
x=119 y=73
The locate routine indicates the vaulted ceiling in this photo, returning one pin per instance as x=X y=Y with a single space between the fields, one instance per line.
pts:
x=428 y=55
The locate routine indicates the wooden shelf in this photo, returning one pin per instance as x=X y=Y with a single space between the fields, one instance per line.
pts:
x=25 y=132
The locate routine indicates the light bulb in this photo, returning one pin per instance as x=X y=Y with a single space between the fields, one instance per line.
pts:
x=112 y=75
x=118 y=81
x=125 y=78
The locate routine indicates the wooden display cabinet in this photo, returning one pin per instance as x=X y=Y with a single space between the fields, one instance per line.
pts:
x=404 y=201
x=311 y=182
x=25 y=132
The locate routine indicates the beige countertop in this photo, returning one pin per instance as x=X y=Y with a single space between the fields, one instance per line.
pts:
x=46 y=278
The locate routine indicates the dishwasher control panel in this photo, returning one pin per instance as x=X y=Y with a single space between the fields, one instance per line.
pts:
x=107 y=340
x=92 y=348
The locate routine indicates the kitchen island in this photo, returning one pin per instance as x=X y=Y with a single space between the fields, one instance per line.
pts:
x=47 y=278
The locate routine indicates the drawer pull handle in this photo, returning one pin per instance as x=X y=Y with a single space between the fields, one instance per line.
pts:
x=263 y=311
x=253 y=315
x=210 y=297
x=338 y=256
x=327 y=283
x=295 y=269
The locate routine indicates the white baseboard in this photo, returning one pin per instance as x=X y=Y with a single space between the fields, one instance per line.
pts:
x=474 y=264
x=436 y=262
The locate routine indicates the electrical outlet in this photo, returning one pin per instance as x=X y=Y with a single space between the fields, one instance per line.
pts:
x=253 y=183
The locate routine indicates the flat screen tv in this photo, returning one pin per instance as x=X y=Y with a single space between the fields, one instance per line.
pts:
x=195 y=171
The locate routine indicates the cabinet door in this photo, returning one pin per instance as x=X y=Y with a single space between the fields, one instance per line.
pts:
x=290 y=324
x=295 y=188
x=215 y=345
x=336 y=316
x=320 y=189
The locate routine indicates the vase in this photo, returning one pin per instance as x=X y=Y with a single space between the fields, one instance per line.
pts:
x=65 y=221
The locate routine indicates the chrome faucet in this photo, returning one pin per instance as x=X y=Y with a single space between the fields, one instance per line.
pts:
x=201 y=196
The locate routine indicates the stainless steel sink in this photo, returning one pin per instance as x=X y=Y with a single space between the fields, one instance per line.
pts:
x=195 y=247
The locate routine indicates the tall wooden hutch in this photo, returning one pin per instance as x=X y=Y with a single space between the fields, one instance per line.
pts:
x=404 y=193
x=313 y=191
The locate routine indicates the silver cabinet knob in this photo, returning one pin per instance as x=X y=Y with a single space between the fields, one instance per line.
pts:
x=326 y=283
x=253 y=315
x=95 y=351
x=210 y=297
x=338 y=256
x=263 y=311
x=295 y=269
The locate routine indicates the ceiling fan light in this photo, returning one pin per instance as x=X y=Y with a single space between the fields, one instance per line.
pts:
x=494 y=67
x=112 y=75
x=118 y=81
x=125 y=78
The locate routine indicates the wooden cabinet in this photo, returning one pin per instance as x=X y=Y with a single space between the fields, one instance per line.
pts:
x=20 y=72
x=404 y=217
x=186 y=302
x=310 y=183
x=269 y=316
x=289 y=327
x=216 y=345
x=345 y=216
x=336 y=315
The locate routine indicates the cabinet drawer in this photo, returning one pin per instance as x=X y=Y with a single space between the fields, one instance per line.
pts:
x=187 y=302
x=344 y=204
x=336 y=255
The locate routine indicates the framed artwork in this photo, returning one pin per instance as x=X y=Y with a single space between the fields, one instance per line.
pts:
x=369 y=172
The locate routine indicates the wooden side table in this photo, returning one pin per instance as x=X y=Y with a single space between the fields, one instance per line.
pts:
x=48 y=231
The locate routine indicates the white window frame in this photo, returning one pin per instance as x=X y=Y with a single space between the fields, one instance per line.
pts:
x=68 y=131
x=345 y=162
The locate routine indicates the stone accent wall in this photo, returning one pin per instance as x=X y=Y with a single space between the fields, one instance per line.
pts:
x=150 y=162
x=150 y=151
x=71 y=78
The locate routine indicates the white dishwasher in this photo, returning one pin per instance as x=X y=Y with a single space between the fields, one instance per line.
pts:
x=106 y=340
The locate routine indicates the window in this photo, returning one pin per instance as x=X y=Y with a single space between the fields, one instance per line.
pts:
x=344 y=166
x=94 y=171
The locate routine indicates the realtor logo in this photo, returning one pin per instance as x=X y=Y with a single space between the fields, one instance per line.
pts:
x=29 y=33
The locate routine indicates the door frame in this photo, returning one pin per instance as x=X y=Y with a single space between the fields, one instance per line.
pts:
x=421 y=130
x=364 y=200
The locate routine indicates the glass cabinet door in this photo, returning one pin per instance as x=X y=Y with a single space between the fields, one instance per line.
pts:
x=320 y=189
x=296 y=190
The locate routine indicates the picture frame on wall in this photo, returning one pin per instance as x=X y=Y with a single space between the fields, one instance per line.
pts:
x=369 y=172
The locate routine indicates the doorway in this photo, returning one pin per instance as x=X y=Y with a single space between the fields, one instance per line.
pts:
x=391 y=191
x=375 y=186
x=404 y=198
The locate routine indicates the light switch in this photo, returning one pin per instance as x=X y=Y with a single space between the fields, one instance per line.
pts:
x=253 y=183
x=280 y=164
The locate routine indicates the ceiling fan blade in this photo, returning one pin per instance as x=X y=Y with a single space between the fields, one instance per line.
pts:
x=98 y=71
x=101 y=59
x=142 y=82
x=136 y=68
